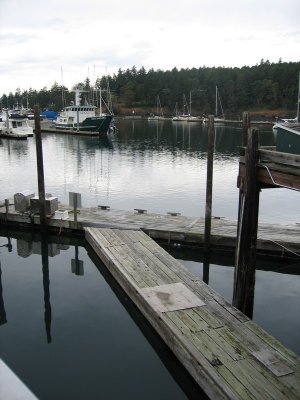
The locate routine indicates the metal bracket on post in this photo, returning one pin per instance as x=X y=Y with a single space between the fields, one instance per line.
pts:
x=75 y=202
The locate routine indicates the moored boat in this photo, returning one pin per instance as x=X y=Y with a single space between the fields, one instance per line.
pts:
x=288 y=131
x=15 y=126
x=83 y=118
x=288 y=138
x=219 y=118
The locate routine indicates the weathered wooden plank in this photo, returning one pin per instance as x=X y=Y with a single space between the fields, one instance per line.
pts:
x=214 y=343
x=279 y=157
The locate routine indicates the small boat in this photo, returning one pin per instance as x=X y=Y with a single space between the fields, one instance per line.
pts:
x=288 y=131
x=188 y=117
x=159 y=112
x=290 y=122
x=83 y=118
x=185 y=114
x=15 y=126
x=218 y=119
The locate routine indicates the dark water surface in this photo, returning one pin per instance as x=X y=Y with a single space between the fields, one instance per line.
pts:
x=71 y=336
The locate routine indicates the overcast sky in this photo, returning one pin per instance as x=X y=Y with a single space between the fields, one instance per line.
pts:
x=67 y=40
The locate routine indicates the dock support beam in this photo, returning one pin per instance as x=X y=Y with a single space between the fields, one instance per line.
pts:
x=245 y=258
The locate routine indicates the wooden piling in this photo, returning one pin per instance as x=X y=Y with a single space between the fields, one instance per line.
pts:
x=209 y=181
x=40 y=168
x=244 y=280
x=208 y=205
x=246 y=126
x=6 y=201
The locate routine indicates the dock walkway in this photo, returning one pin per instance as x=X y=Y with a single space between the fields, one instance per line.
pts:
x=228 y=355
x=169 y=227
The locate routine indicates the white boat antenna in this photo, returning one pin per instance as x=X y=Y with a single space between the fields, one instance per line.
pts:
x=62 y=88
x=77 y=97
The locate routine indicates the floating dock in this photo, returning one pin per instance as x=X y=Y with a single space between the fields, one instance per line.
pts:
x=227 y=354
x=170 y=228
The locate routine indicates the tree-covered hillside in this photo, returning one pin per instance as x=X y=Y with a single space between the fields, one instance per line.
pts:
x=267 y=85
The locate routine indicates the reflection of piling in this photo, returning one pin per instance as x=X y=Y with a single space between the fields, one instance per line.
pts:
x=3 y=319
x=244 y=280
x=40 y=168
x=46 y=286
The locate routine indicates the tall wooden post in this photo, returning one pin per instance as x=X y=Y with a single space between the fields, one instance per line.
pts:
x=209 y=181
x=244 y=279
x=246 y=126
x=40 y=169
x=209 y=187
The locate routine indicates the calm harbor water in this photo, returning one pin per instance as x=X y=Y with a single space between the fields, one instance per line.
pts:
x=81 y=330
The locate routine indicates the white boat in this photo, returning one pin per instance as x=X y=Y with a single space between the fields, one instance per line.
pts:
x=15 y=124
x=219 y=118
x=159 y=112
x=290 y=122
x=83 y=118
x=188 y=117
x=288 y=131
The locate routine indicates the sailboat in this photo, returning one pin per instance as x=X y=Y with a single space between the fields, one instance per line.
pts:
x=185 y=115
x=192 y=118
x=291 y=121
x=219 y=119
x=159 y=111
x=218 y=100
x=288 y=132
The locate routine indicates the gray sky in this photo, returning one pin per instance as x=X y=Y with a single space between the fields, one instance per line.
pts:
x=39 y=39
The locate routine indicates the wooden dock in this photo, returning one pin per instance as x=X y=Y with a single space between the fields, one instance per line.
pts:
x=228 y=355
x=169 y=228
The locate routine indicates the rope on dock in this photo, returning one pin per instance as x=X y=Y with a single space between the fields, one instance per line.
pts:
x=277 y=184
x=281 y=245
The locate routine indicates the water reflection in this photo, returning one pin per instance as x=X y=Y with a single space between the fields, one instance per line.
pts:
x=18 y=148
x=3 y=319
x=153 y=165
x=46 y=286
x=96 y=337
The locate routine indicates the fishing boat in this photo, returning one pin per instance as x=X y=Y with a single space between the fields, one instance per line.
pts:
x=15 y=126
x=83 y=118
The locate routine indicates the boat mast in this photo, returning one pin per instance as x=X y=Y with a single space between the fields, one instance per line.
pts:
x=216 y=100
x=100 y=101
x=190 y=103
x=62 y=88
x=298 y=105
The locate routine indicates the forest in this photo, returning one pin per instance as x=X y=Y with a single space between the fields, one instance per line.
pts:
x=271 y=87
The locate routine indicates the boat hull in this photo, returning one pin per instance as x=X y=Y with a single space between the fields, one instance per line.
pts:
x=288 y=139
x=92 y=124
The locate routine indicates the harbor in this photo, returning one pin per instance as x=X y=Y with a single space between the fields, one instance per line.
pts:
x=128 y=243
